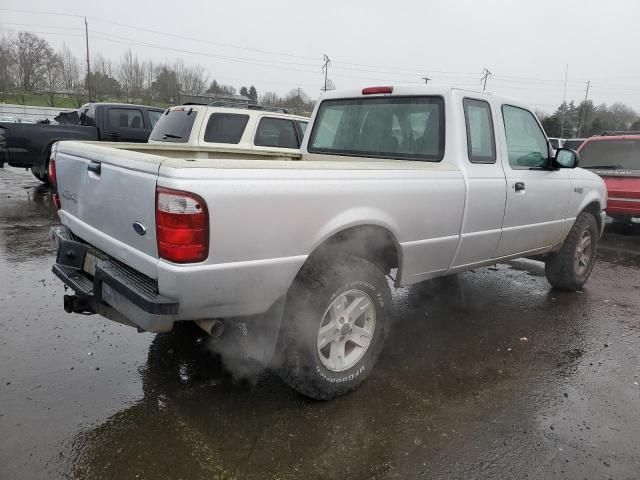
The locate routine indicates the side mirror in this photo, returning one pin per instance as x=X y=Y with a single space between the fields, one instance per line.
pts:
x=566 y=158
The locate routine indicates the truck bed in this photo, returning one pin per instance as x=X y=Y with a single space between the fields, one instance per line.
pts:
x=180 y=157
x=172 y=150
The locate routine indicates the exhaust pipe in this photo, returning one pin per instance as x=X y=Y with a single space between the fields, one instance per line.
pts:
x=213 y=326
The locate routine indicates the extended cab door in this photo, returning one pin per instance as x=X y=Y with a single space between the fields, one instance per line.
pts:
x=486 y=188
x=124 y=124
x=537 y=197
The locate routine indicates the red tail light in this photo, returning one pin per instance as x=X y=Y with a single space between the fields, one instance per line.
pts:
x=376 y=90
x=182 y=226
x=53 y=178
x=52 y=173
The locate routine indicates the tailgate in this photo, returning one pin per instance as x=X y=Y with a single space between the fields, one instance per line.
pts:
x=105 y=191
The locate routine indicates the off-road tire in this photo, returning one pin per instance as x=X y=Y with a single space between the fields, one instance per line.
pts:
x=560 y=267
x=317 y=285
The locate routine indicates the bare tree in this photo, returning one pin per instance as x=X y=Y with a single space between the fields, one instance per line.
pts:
x=29 y=53
x=131 y=76
x=6 y=68
x=150 y=74
x=191 y=78
x=53 y=76
x=103 y=83
x=270 y=99
x=71 y=74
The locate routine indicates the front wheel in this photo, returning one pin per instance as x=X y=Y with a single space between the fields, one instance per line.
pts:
x=334 y=327
x=570 y=267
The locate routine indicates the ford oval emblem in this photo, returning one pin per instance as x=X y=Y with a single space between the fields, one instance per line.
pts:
x=139 y=228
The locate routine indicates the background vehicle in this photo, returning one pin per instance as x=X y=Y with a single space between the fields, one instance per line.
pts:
x=414 y=182
x=250 y=128
x=556 y=143
x=573 y=143
x=28 y=145
x=616 y=158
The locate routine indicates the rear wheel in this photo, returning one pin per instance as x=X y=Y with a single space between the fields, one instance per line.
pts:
x=43 y=177
x=570 y=267
x=334 y=327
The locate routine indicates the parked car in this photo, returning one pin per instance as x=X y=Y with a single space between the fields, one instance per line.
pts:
x=411 y=182
x=28 y=145
x=573 y=143
x=556 y=143
x=252 y=127
x=616 y=158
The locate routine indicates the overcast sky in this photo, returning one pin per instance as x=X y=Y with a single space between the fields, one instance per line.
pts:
x=525 y=44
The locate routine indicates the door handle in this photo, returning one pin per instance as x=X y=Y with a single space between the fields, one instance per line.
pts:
x=519 y=186
x=95 y=167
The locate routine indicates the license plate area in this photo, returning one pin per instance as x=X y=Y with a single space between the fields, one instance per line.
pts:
x=90 y=262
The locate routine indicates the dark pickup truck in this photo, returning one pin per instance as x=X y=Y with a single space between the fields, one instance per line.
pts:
x=28 y=145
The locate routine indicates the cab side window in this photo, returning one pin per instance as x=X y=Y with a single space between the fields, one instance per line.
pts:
x=276 y=132
x=527 y=145
x=481 y=144
x=225 y=128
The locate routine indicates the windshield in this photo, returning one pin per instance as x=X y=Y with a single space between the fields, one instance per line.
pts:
x=174 y=126
x=410 y=128
x=615 y=154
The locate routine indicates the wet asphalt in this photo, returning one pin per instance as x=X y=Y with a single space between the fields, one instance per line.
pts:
x=489 y=374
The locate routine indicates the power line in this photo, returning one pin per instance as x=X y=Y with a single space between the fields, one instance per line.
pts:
x=163 y=33
x=336 y=64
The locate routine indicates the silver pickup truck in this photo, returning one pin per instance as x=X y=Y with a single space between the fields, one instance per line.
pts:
x=406 y=182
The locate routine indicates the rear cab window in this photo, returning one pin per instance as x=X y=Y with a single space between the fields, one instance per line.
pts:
x=481 y=144
x=125 y=118
x=225 y=128
x=276 y=132
x=174 y=125
x=402 y=128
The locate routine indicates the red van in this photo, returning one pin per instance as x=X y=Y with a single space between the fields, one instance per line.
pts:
x=616 y=158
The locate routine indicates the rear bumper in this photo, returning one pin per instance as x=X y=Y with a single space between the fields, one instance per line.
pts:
x=110 y=288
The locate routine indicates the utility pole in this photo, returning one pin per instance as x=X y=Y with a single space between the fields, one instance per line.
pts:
x=325 y=69
x=86 y=37
x=564 y=101
x=426 y=80
x=299 y=101
x=586 y=95
x=485 y=75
